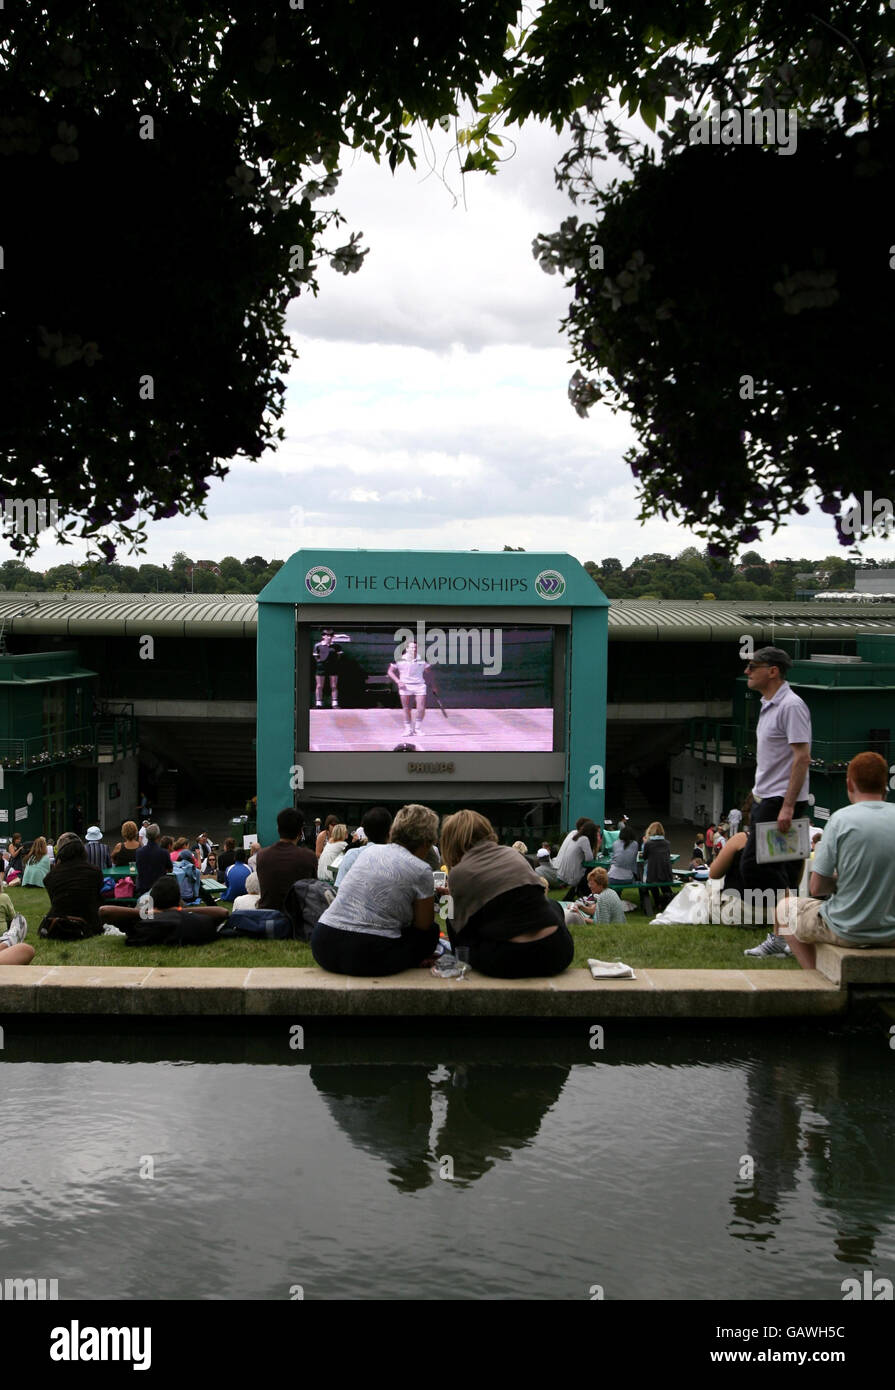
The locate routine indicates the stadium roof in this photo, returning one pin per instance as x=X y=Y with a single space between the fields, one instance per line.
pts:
x=80 y=614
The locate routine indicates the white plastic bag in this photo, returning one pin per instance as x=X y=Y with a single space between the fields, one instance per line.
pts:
x=691 y=906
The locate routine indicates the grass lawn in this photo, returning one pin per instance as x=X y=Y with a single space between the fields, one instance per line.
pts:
x=636 y=943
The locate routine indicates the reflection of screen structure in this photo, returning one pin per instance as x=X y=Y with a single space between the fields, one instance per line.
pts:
x=463 y=688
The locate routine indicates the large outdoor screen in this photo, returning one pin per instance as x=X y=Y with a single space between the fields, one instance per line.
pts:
x=420 y=686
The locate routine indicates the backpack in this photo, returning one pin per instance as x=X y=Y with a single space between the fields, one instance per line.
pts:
x=124 y=888
x=305 y=904
x=64 y=929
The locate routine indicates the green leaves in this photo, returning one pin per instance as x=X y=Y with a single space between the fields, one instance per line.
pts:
x=191 y=235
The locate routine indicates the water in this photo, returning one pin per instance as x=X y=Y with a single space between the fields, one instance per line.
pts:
x=328 y=1167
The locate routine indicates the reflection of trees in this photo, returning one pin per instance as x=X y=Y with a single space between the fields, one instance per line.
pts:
x=832 y=1109
x=483 y=1114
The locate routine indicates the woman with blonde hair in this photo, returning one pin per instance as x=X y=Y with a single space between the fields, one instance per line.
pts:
x=501 y=913
x=656 y=868
x=323 y=835
x=383 y=918
x=127 y=846
x=37 y=864
x=602 y=906
x=332 y=851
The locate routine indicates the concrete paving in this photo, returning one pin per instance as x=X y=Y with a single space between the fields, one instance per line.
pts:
x=310 y=992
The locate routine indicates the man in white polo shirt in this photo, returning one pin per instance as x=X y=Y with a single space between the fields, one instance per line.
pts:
x=780 y=792
x=852 y=887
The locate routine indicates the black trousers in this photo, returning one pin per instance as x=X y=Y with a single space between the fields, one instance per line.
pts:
x=654 y=900
x=361 y=953
x=525 y=960
x=778 y=877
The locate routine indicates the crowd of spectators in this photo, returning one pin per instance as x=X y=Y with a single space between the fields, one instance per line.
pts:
x=393 y=883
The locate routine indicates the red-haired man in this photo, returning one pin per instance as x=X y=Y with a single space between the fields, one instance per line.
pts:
x=852 y=887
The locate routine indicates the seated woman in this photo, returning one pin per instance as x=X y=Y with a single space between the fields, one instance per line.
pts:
x=623 y=860
x=699 y=866
x=603 y=906
x=97 y=853
x=579 y=845
x=656 y=868
x=37 y=864
x=334 y=848
x=501 y=913
x=726 y=865
x=15 y=854
x=226 y=857
x=74 y=884
x=124 y=851
x=383 y=917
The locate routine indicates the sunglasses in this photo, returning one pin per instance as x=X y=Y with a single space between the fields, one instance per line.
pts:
x=754 y=665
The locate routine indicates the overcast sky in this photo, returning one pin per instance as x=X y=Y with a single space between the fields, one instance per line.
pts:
x=429 y=406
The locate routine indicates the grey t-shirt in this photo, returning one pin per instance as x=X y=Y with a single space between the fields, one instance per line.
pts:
x=569 y=863
x=858 y=843
x=379 y=894
x=783 y=720
x=623 y=864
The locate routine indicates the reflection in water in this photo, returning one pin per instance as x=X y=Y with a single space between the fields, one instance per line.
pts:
x=828 y=1119
x=570 y=1167
x=416 y=1117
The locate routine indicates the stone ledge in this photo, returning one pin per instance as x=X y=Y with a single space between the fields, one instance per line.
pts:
x=856 y=965
x=300 y=992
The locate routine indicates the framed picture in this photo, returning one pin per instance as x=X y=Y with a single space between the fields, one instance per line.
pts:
x=677 y=785
x=114 y=791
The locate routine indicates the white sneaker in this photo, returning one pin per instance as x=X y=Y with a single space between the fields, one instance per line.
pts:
x=18 y=930
x=335 y=704
x=407 y=729
x=319 y=704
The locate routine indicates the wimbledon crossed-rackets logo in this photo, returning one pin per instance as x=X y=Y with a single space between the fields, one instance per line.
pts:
x=320 y=581
x=550 y=584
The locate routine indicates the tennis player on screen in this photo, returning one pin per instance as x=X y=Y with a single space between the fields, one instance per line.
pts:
x=412 y=677
x=327 y=656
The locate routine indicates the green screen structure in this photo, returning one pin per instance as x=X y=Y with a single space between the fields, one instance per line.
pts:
x=449 y=677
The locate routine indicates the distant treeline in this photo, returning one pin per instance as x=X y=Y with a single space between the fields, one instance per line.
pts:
x=693 y=575
x=182 y=576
